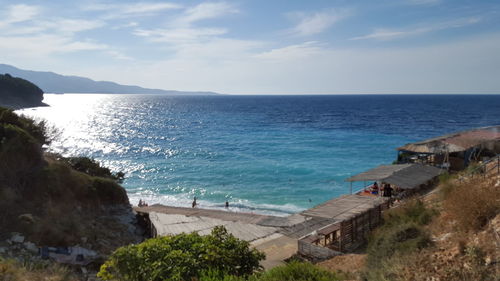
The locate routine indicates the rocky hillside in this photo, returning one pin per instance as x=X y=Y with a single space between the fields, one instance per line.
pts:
x=18 y=93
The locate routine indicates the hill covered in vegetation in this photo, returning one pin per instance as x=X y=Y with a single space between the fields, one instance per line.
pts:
x=17 y=92
x=52 y=200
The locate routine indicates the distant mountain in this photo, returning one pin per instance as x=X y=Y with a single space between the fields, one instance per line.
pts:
x=19 y=93
x=51 y=82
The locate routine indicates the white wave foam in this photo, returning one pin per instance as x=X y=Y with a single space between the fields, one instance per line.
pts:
x=238 y=205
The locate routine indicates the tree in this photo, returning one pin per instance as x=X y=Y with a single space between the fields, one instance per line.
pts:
x=182 y=257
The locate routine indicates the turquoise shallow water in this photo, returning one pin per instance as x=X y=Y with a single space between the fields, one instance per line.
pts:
x=264 y=154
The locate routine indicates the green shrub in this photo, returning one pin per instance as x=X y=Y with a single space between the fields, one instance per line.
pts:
x=401 y=234
x=412 y=211
x=445 y=177
x=293 y=271
x=21 y=141
x=108 y=191
x=20 y=154
x=399 y=239
x=38 y=130
x=216 y=275
x=298 y=271
x=182 y=257
x=91 y=167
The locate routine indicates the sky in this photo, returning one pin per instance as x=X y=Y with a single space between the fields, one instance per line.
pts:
x=262 y=46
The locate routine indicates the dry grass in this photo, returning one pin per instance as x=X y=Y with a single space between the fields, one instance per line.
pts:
x=11 y=270
x=348 y=264
x=464 y=242
x=473 y=204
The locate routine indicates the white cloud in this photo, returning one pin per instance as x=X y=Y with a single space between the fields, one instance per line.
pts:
x=148 y=7
x=469 y=65
x=390 y=34
x=424 y=2
x=205 y=11
x=183 y=29
x=220 y=50
x=179 y=35
x=21 y=12
x=128 y=10
x=18 y=13
x=126 y=25
x=200 y=55
x=298 y=51
x=62 y=26
x=74 y=25
x=26 y=32
x=119 y=55
x=310 y=24
x=45 y=45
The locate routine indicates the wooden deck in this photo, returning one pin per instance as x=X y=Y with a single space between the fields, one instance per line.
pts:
x=352 y=216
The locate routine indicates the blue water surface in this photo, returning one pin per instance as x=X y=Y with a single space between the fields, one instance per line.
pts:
x=264 y=154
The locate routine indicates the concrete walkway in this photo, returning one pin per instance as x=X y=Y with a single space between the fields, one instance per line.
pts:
x=277 y=249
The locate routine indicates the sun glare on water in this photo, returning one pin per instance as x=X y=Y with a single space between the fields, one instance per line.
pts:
x=74 y=119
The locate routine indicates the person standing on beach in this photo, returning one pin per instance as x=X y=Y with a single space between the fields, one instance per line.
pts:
x=194 y=202
x=227 y=204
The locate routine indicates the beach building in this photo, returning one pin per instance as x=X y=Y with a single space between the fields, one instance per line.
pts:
x=454 y=151
x=347 y=220
x=406 y=178
x=350 y=218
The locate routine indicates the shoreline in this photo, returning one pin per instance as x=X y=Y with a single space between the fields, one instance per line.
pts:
x=233 y=207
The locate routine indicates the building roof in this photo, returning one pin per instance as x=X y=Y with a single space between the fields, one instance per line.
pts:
x=405 y=176
x=455 y=142
x=379 y=173
x=344 y=207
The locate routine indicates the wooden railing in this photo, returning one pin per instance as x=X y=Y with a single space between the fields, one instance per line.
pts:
x=489 y=167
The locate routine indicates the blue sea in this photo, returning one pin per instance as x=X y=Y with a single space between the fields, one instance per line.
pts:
x=264 y=154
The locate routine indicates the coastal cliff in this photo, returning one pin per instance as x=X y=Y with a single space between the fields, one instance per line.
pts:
x=19 y=93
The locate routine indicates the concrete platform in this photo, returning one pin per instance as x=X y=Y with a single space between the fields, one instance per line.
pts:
x=172 y=224
x=277 y=248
